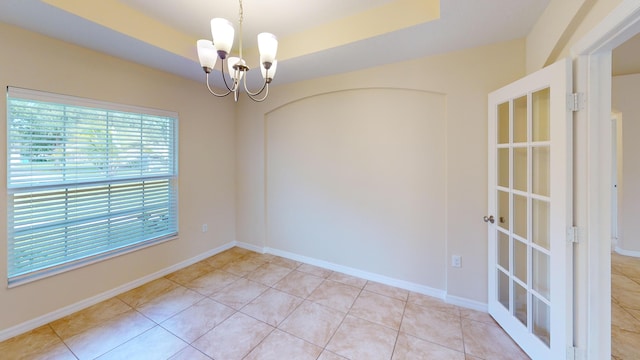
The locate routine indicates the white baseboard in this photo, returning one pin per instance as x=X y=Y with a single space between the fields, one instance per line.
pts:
x=83 y=304
x=624 y=252
x=467 y=303
x=254 y=248
x=402 y=284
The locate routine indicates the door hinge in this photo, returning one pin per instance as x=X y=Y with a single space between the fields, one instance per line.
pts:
x=573 y=235
x=576 y=101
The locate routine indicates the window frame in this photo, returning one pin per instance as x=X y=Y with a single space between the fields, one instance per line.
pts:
x=168 y=179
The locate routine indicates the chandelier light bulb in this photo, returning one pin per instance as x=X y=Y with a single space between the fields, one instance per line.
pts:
x=268 y=47
x=207 y=54
x=222 y=33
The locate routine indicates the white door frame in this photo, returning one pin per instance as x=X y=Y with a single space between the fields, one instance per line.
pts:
x=592 y=174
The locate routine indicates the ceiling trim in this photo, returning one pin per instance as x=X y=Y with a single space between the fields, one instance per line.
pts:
x=111 y=13
x=390 y=17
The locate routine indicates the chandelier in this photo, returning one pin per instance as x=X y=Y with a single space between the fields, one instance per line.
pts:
x=209 y=51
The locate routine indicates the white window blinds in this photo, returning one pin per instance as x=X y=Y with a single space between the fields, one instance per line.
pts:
x=86 y=180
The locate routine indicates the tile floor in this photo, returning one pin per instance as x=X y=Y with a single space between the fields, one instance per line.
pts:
x=243 y=305
x=625 y=307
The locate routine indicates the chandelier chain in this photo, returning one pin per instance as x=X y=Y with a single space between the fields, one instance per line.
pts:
x=240 y=19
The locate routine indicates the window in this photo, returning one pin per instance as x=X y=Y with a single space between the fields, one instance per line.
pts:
x=86 y=180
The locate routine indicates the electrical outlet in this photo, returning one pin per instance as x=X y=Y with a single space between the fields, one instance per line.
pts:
x=205 y=228
x=456 y=261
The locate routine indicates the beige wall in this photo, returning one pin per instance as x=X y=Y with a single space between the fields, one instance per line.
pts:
x=358 y=181
x=562 y=24
x=206 y=163
x=624 y=99
x=596 y=13
x=223 y=149
x=457 y=204
x=551 y=31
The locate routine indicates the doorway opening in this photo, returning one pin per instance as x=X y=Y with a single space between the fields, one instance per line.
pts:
x=625 y=198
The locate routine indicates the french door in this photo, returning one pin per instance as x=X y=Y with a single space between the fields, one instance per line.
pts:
x=530 y=212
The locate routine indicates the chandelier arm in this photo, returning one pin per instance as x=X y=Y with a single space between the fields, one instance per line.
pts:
x=239 y=70
x=225 y=79
x=255 y=93
x=213 y=92
x=266 y=93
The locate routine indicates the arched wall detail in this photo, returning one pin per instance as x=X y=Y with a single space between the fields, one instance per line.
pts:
x=357 y=178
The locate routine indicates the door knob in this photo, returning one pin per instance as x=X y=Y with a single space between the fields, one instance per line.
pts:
x=489 y=219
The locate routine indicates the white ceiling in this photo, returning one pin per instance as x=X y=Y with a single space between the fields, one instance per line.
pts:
x=193 y=16
x=462 y=24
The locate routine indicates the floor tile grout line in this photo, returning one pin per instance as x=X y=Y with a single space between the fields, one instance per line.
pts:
x=50 y=324
x=208 y=331
x=247 y=303
x=276 y=327
x=129 y=340
x=346 y=314
x=428 y=307
x=374 y=322
x=361 y=289
x=253 y=317
x=261 y=341
x=194 y=348
x=62 y=340
x=625 y=308
x=323 y=306
x=464 y=344
x=395 y=344
x=185 y=340
x=630 y=314
x=298 y=337
x=436 y=343
x=306 y=297
x=334 y=333
x=97 y=325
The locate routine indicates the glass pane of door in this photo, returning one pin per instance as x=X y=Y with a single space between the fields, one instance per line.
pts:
x=541 y=274
x=540 y=171
x=520 y=169
x=540 y=218
x=503 y=123
x=503 y=210
x=503 y=250
x=540 y=114
x=503 y=289
x=520 y=218
x=530 y=260
x=520 y=260
x=523 y=208
x=503 y=167
x=541 y=320
x=520 y=112
x=520 y=303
